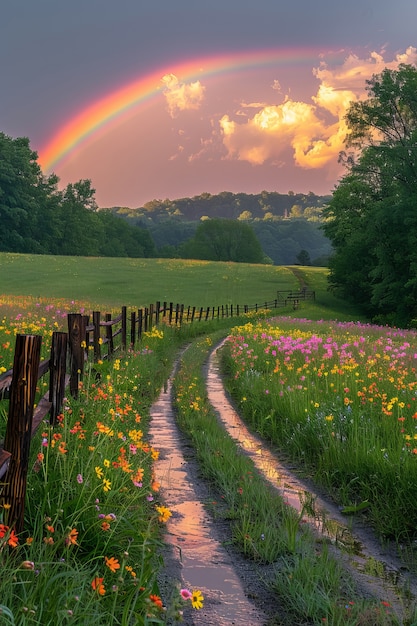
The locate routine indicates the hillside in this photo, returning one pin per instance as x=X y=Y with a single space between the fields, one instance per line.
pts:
x=285 y=224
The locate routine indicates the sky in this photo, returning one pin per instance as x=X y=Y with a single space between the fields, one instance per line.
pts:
x=163 y=99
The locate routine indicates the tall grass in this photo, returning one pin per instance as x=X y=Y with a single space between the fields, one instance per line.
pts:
x=340 y=398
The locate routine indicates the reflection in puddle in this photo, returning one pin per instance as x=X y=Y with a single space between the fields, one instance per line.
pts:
x=204 y=563
x=323 y=517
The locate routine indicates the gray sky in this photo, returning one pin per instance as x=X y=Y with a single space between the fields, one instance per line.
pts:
x=57 y=57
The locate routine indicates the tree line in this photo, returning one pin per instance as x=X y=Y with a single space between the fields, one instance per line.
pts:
x=37 y=217
x=371 y=219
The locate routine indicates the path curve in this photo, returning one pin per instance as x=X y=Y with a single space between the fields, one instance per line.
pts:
x=197 y=558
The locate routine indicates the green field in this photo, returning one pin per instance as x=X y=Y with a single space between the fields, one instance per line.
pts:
x=108 y=282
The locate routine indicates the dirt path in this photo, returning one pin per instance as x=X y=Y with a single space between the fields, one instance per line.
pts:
x=198 y=557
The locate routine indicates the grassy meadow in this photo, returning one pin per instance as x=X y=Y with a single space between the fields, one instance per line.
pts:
x=338 y=396
x=138 y=282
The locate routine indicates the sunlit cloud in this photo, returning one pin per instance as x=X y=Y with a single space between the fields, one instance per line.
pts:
x=314 y=130
x=181 y=96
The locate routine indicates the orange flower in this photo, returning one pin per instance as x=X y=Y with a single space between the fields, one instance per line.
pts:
x=112 y=563
x=50 y=529
x=105 y=526
x=97 y=585
x=156 y=600
x=72 y=537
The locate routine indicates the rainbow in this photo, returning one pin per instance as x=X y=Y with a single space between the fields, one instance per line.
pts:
x=95 y=116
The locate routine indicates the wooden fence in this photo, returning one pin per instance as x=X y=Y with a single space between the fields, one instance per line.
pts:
x=69 y=353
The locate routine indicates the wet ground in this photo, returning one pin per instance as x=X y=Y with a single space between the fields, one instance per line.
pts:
x=198 y=558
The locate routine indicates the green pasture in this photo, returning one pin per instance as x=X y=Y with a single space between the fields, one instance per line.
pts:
x=108 y=282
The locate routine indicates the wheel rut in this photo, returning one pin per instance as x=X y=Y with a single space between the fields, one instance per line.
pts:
x=197 y=557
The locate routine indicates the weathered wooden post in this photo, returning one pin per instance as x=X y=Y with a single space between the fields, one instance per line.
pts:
x=57 y=374
x=19 y=426
x=77 y=325
x=124 y=328
x=96 y=336
x=140 y=323
x=133 y=329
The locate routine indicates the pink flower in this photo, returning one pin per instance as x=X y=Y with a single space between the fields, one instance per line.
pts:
x=186 y=594
x=79 y=478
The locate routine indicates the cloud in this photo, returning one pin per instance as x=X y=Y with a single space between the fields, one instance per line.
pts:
x=314 y=130
x=181 y=96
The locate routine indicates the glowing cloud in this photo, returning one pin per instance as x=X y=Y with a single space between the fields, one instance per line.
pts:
x=182 y=96
x=315 y=130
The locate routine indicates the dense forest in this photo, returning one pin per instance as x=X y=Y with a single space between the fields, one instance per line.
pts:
x=286 y=225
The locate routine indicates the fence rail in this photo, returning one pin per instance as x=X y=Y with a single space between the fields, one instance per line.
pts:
x=69 y=353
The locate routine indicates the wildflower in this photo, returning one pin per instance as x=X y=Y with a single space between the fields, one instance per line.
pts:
x=50 y=529
x=186 y=594
x=97 y=585
x=105 y=526
x=28 y=565
x=80 y=479
x=6 y=506
x=156 y=600
x=72 y=537
x=164 y=513
x=106 y=463
x=112 y=563
x=106 y=484
x=99 y=471
x=197 y=599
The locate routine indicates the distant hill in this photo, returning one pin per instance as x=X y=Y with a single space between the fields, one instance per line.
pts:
x=285 y=224
x=265 y=205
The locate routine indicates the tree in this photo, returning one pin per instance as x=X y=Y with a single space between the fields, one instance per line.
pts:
x=20 y=194
x=372 y=219
x=224 y=240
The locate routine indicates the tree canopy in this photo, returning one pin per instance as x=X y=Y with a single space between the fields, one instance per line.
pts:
x=224 y=240
x=36 y=217
x=371 y=219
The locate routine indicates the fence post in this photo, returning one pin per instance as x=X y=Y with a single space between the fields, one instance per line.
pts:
x=133 y=329
x=157 y=312
x=57 y=374
x=96 y=336
x=77 y=325
x=124 y=328
x=140 y=323
x=19 y=426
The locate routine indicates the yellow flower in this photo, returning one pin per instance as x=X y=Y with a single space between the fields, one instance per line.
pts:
x=99 y=471
x=164 y=513
x=106 y=484
x=197 y=599
x=106 y=463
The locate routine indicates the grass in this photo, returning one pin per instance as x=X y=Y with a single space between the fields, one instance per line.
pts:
x=94 y=521
x=139 y=282
x=310 y=585
x=340 y=399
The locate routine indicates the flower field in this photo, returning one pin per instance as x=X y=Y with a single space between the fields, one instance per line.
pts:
x=93 y=516
x=340 y=399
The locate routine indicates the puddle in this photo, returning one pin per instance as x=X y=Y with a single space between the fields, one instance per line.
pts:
x=380 y=571
x=204 y=564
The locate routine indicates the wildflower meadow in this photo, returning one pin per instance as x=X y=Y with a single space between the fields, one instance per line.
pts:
x=93 y=518
x=341 y=399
